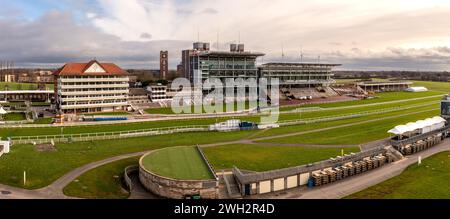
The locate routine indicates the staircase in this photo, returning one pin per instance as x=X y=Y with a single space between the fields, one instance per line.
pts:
x=231 y=186
x=396 y=155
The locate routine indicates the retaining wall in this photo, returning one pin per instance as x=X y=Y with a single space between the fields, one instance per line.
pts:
x=177 y=189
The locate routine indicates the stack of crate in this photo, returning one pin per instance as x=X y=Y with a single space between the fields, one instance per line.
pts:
x=332 y=174
x=383 y=160
x=357 y=168
x=325 y=178
x=317 y=179
x=351 y=169
x=369 y=163
x=345 y=171
x=339 y=173
x=376 y=162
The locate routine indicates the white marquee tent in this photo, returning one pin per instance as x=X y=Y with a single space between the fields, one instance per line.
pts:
x=421 y=126
x=416 y=89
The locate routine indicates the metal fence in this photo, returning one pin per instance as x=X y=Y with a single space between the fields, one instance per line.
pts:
x=350 y=115
x=67 y=138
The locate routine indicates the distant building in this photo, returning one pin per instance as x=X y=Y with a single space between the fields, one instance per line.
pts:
x=164 y=64
x=180 y=70
x=374 y=86
x=158 y=93
x=138 y=96
x=91 y=87
x=8 y=78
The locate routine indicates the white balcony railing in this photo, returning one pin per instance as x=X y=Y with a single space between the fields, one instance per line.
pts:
x=80 y=106
x=71 y=99
x=94 y=92
x=95 y=86
x=124 y=79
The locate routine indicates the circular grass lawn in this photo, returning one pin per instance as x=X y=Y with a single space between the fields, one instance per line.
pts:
x=182 y=163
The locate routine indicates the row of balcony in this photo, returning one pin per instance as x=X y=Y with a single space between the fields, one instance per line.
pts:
x=68 y=99
x=75 y=93
x=80 y=106
x=95 y=86
x=120 y=79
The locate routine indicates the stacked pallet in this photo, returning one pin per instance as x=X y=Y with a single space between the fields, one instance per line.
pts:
x=351 y=169
x=332 y=174
x=375 y=162
x=325 y=178
x=339 y=173
x=317 y=178
x=345 y=171
x=357 y=168
x=363 y=166
x=369 y=164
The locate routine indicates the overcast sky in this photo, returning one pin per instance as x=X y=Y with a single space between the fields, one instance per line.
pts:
x=362 y=35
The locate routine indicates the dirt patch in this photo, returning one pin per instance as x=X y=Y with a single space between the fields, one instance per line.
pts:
x=45 y=148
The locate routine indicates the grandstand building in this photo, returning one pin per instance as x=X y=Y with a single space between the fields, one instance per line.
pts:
x=201 y=63
x=299 y=75
x=91 y=87
x=301 y=80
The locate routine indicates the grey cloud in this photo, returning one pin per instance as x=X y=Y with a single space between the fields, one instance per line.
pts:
x=146 y=36
x=56 y=38
x=209 y=11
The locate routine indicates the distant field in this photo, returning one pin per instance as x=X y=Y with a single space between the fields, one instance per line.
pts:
x=183 y=163
x=263 y=158
x=9 y=132
x=379 y=98
x=104 y=182
x=22 y=86
x=356 y=134
x=14 y=117
x=435 y=86
x=427 y=181
x=44 y=168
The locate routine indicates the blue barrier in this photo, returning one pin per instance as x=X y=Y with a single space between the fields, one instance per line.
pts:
x=110 y=119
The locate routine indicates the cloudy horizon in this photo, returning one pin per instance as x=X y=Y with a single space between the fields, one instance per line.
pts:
x=361 y=35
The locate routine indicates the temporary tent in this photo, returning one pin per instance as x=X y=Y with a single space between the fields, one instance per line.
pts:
x=422 y=126
x=416 y=89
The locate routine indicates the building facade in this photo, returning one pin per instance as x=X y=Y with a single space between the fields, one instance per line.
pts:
x=164 y=64
x=201 y=63
x=138 y=96
x=299 y=75
x=91 y=87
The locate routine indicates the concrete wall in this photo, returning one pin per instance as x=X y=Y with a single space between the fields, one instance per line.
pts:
x=278 y=184
x=292 y=182
x=178 y=189
x=264 y=187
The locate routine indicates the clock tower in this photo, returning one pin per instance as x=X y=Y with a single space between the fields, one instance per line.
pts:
x=163 y=64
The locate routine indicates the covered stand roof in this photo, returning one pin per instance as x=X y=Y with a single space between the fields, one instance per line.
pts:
x=421 y=124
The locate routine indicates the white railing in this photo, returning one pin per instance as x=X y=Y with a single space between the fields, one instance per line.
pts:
x=107 y=135
x=184 y=129
x=124 y=79
x=95 y=86
x=93 y=105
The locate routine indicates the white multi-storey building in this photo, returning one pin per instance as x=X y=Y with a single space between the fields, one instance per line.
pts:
x=91 y=87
